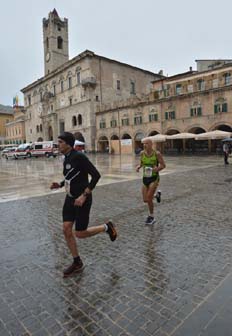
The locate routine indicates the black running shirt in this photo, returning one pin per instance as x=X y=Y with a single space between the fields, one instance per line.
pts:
x=76 y=169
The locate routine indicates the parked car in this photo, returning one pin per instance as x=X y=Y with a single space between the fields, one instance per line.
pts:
x=8 y=152
x=44 y=148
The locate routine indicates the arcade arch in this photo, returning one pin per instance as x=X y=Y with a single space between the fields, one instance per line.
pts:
x=103 y=144
x=138 y=146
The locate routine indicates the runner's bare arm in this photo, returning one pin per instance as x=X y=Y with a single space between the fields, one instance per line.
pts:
x=140 y=165
x=161 y=164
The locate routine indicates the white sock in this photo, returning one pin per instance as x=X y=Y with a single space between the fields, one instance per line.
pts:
x=106 y=227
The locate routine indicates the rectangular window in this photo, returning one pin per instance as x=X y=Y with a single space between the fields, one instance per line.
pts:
x=200 y=85
x=102 y=124
x=199 y=113
x=227 y=78
x=29 y=100
x=41 y=96
x=153 y=117
x=166 y=90
x=70 y=82
x=132 y=88
x=195 y=111
x=118 y=85
x=70 y=101
x=170 y=115
x=113 y=123
x=178 y=89
x=125 y=122
x=78 y=78
x=216 y=109
x=38 y=146
x=62 y=128
x=224 y=107
x=138 y=120
x=62 y=86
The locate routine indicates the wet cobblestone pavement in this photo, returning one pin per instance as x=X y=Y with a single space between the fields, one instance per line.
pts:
x=173 y=278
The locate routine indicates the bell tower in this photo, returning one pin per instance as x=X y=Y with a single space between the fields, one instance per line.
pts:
x=55 y=41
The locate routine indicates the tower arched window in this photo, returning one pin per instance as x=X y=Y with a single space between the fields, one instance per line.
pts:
x=79 y=119
x=59 y=42
x=47 y=43
x=74 y=120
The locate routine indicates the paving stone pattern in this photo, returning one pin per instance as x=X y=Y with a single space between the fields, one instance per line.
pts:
x=154 y=280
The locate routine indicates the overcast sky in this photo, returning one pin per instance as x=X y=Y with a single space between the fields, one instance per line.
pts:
x=150 y=34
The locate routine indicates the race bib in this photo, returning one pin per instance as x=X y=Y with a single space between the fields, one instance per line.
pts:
x=147 y=171
x=67 y=184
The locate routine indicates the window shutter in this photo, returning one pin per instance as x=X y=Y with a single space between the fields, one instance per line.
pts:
x=224 y=107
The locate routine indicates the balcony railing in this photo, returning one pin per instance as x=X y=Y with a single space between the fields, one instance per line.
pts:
x=89 y=81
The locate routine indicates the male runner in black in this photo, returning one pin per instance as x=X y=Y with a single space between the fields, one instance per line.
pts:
x=78 y=200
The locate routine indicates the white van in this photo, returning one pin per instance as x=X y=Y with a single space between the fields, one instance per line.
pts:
x=44 y=148
x=23 y=151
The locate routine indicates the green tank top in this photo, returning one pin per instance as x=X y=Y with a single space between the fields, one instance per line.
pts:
x=148 y=162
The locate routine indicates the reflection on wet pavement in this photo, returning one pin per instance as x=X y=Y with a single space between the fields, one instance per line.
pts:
x=170 y=279
x=32 y=177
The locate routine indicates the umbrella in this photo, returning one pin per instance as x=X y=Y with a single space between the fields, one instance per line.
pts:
x=227 y=139
x=181 y=136
x=156 y=138
x=79 y=143
x=217 y=134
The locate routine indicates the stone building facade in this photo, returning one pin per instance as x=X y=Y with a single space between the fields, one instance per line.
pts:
x=6 y=115
x=71 y=92
x=15 y=129
x=195 y=102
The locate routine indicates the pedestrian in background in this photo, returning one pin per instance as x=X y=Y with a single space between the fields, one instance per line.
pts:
x=78 y=199
x=226 y=150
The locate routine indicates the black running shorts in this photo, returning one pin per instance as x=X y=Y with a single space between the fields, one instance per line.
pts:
x=79 y=215
x=148 y=180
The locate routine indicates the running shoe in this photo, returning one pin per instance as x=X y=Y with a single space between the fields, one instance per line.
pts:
x=111 y=231
x=158 y=196
x=73 y=268
x=150 y=220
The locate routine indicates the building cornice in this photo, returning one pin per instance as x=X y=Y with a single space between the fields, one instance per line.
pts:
x=165 y=99
x=76 y=59
x=190 y=74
